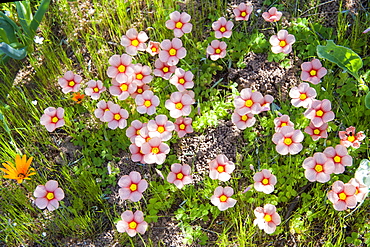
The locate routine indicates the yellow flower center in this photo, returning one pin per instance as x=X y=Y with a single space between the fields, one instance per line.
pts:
x=50 y=196
x=222 y=29
x=313 y=72
x=337 y=159
x=249 y=103
x=138 y=132
x=172 y=52
x=179 y=106
x=179 y=175
x=179 y=24
x=132 y=225
x=244 y=118
x=218 y=51
x=319 y=113
x=135 y=42
x=155 y=150
x=316 y=131
x=243 y=14
x=318 y=168
x=96 y=89
x=356 y=191
x=147 y=103
x=181 y=81
x=133 y=187
x=267 y=218
x=223 y=198
x=303 y=96
x=117 y=116
x=54 y=119
x=122 y=68
x=283 y=124
x=139 y=90
x=288 y=141
x=351 y=138
x=139 y=76
x=147 y=139
x=265 y=181
x=160 y=129
x=107 y=109
x=165 y=69
x=342 y=196
x=182 y=126
x=220 y=169
x=124 y=87
x=282 y=43
x=154 y=49
x=71 y=83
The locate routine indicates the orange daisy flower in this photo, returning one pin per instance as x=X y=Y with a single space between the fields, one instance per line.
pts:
x=21 y=170
x=78 y=97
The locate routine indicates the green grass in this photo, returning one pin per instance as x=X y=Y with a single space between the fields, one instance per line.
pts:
x=85 y=49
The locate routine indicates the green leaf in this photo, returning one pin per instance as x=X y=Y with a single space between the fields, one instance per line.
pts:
x=342 y=56
x=11 y=52
x=39 y=14
x=367 y=100
x=24 y=19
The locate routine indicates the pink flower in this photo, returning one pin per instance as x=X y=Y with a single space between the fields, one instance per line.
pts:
x=172 y=51
x=361 y=189
x=48 y=195
x=243 y=11
x=70 y=82
x=319 y=112
x=121 y=67
x=147 y=102
x=217 y=49
x=179 y=104
x=272 y=15
x=243 y=121
x=123 y=90
x=142 y=74
x=103 y=108
x=136 y=153
x=312 y=71
x=267 y=100
x=317 y=132
x=179 y=23
x=155 y=151
x=221 y=168
x=140 y=90
x=267 y=218
x=94 y=89
x=264 y=181
x=342 y=196
x=160 y=127
x=134 y=130
x=349 y=138
x=132 y=223
x=282 y=42
x=288 y=140
x=182 y=79
x=183 y=126
x=163 y=69
x=248 y=102
x=221 y=198
x=303 y=95
x=143 y=136
x=318 y=168
x=340 y=157
x=132 y=186
x=282 y=121
x=179 y=175
x=153 y=48
x=52 y=118
x=222 y=28
x=134 y=41
x=116 y=117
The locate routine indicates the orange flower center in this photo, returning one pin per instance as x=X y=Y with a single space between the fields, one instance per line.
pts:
x=71 y=83
x=318 y=168
x=165 y=69
x=313 y=72
x=319 y=113
x=96 y=89
x=133 y=187
x=160 y=129
x=139 y=76
x=179 y=24
x=218 y=51
x=303 y=96
x=223 y=198
x=243 y=14
x=117 y=116
x=342 y=196
x=124 y=87
x=222 y=29
x=267 y=218
x=121 y=68
x=54 y=119
x=244 y=118
x=288 y=141
x=21 y=176
x=181 y=81
x=282 y=43
x=249 y=103
x=351 y=138
x=316 y=131
x=265 y=181
x=179 y=106
x=221 y=169
x=172 y=52
x=135 y=42
x=155 y=150
x=182 y=126
x=337 y=159
x=147 y=103
x=283 y=124
x=50 y=196
x=132 y=225
x=179 y=175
